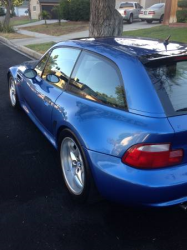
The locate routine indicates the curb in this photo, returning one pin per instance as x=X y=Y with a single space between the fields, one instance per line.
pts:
x=22 y=49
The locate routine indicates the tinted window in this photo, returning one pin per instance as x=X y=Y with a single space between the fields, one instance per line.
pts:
x=40 y=67
x=126 y=5
x=157 y=6
x=60 y=64
x=97 y=79
x=170 y=82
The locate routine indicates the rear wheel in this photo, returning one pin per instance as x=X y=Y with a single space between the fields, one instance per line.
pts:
x=12 y=93
x=75 y=168
x=149 y=21
x=161 y=19
x=130 y=19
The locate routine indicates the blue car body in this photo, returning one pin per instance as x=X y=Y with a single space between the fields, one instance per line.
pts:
x=106 y=133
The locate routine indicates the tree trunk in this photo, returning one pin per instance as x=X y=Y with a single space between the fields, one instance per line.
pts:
x=7 y=17
x=105 y=20
x=170 y=12
x=29 y=10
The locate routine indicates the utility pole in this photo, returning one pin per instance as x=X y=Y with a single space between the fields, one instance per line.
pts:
x=170 y=12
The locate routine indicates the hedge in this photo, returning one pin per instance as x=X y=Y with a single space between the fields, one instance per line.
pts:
x=181 y=16
x=182 y=4
x=75 y=10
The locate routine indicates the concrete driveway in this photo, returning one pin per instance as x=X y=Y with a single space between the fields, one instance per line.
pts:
x=136 y=25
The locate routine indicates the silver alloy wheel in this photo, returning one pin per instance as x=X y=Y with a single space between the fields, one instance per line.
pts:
x=12 y=91
x=72 y=166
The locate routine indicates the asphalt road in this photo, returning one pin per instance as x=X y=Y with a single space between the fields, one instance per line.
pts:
x=36 y=212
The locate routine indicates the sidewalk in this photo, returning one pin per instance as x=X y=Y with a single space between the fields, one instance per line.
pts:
x=38 y=38
x=43 y=38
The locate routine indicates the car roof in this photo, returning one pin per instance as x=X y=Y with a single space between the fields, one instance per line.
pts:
x=144 y=49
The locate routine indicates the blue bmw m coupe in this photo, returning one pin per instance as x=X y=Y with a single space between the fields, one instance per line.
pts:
x=116 y=110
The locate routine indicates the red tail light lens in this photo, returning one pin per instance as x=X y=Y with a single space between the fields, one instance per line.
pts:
x=151 y=12
x=151 y=156
x=125 y=12
x=141 y=12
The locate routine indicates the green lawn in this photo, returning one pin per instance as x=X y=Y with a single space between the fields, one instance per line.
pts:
x=41 y=48
x=161 y=32
x=21 y=22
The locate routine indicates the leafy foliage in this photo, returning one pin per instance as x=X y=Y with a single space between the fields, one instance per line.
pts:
x=45 y=15
x=75 y=10
x=6 y=28
x=2 y=12
x=181 y=16
x=182 y=3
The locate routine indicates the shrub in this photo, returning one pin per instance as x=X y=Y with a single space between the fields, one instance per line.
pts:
x=2 y=12
x=75 y=10
x=181 y=16
x=6 y=28
x=182 y=4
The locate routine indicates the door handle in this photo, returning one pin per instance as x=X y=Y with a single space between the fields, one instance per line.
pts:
x=47 y=101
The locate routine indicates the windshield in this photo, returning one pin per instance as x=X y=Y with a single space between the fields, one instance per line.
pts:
x=157 y=6
x=170 y=82
x=124 y=5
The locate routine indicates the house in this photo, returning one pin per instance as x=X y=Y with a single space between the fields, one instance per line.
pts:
x=37 y=6
x=144 y=3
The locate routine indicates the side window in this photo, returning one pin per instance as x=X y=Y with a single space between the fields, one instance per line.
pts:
x=60 y=65
x=138 y=5
x=97 y=79
x=40 y=66
x=135 y=6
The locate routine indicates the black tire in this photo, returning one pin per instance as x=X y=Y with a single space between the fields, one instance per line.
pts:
x=142 y=20
x=12 y=93
x=88 y=192
x=161 y=19
x=149 y=21
x=130 y=19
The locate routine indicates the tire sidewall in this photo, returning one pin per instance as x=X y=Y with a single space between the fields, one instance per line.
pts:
x=87 y=181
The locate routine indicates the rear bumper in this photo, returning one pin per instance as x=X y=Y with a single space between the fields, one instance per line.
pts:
x=148 y=17
x=119 y=182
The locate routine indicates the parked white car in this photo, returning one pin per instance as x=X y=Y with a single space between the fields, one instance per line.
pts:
x=153 y=13
x=130 y=11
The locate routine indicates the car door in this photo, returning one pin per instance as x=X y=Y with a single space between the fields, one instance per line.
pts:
x=30 y=88
x=54 y=79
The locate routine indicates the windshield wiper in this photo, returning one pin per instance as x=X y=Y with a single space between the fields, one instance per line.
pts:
x=180 y=110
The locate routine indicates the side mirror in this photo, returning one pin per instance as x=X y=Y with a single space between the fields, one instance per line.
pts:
x=52 y=78
x=30 y=73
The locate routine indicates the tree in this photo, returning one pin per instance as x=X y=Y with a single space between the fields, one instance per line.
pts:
x=45 y=15
x=9 y=4
x=105 y=20
x=58 y=11
x=170 y=12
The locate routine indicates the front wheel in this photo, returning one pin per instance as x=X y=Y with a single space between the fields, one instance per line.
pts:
x=130 y=19
x=161 y=19
x=12 y=93
x=74 y=166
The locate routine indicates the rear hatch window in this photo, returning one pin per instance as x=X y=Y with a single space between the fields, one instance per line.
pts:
x=170 y=81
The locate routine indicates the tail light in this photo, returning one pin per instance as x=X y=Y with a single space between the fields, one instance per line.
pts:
x=141 y=12
x=151 y=156
x=125 y=12
x=151 y=12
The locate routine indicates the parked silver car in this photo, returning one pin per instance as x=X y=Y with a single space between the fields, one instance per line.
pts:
x=130 y=11
x=153 y=13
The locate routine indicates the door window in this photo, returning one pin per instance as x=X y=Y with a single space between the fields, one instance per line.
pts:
x=60 y=65
x=97 y=79
x=40 y=66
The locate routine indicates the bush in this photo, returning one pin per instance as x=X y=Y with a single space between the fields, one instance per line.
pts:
x=6 y=28
x=2 y=12
x=75 y=10
x=181 y=16
x=182 y=4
